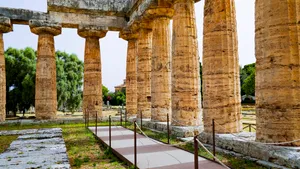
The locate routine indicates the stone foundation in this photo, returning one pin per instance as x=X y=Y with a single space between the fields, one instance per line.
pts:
x=281 y=155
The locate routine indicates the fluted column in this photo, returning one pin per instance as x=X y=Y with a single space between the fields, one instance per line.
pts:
x=144 y=69
x=186 y=98
x=92 y=91
x=277 y=71
x=161 y=63
x=221 y=82
x=45 y=85
x=5 y=26
x=131 y=72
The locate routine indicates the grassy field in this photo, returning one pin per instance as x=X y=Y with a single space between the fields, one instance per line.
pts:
x=83 y=149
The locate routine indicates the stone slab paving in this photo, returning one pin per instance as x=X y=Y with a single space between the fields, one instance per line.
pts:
x=151 y=154
x=35 y=148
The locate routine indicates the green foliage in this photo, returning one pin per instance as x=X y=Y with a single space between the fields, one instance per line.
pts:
x=69 y=72
x=118 y=98
x=20 y=78
x=247 y=76
x=104 y=93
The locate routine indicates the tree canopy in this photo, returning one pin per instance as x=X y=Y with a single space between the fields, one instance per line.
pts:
x=20 y=79
x=248 y=79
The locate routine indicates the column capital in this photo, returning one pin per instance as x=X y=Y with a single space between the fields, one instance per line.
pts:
x=92 y=31
x=45 y=27
x=145 y=24
x=5 y=25
x=177 y=1
x=128 y=35
x=159 y=12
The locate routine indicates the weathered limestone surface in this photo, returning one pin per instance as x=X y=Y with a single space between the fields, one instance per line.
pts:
x=161 y=63
x=42 y=148
x=45 y=89
x=116 y=7
x=244 y=143
x=221 y=82
x=5 y=27
x=186 y=98
x=131 y=72
x=92 y=91
x=144 y=69
x=277 y=71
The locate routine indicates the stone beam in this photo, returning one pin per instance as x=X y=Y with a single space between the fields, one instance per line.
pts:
x=107 y=7
x=22 y=16
x=67 y=20
x=72 y=20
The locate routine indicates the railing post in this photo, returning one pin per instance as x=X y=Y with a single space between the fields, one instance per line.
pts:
x=96 y=123
x=168 y=128
x=125 y=118
x=196 y=152
x=214 y=138
x=109 y=121
x=249 y=127
x=141 y=120
x=85 y=114
x=121 y=119
x=135 y=149
x=88 y=123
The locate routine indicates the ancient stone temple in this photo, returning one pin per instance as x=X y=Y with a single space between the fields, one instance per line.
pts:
x=163 y=66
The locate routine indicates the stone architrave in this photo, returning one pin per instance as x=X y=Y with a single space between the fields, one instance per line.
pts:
x=186 y=97
x=221 y=82
x=45 y=84
x=277 y=71
x=5 y=26
x=144 y=53
x=131 y=72
x=161 y=63
x=92 y=91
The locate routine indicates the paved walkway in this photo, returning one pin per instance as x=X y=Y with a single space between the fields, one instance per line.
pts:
x=151 y=154
x=35 y=148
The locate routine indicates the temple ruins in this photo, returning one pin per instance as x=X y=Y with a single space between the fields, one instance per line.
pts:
x=163 y=68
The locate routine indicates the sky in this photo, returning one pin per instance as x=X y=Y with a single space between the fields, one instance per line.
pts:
x=113 y=49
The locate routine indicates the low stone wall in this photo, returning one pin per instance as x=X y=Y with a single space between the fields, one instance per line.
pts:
x=243 y=143
x=178 y=131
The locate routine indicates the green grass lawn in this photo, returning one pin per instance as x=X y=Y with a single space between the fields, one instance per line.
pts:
x=85 y=151
x=5 y=141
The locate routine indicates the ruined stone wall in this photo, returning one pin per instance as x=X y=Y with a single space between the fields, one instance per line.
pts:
x=221 y=82
x=277 y=70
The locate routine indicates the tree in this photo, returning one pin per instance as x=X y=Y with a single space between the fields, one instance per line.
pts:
x=69 y=72
x=20 y=78
x=104 y=93
x=247 y=75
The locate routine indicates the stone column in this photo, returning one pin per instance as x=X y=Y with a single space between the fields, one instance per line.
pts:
x=277 y=71
x=5 y=26
x=131 y=72
x=144 y=69
x=186 y=97
x=92 y=91
x=161 y=63
x=221 y=82
x=45 y=83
